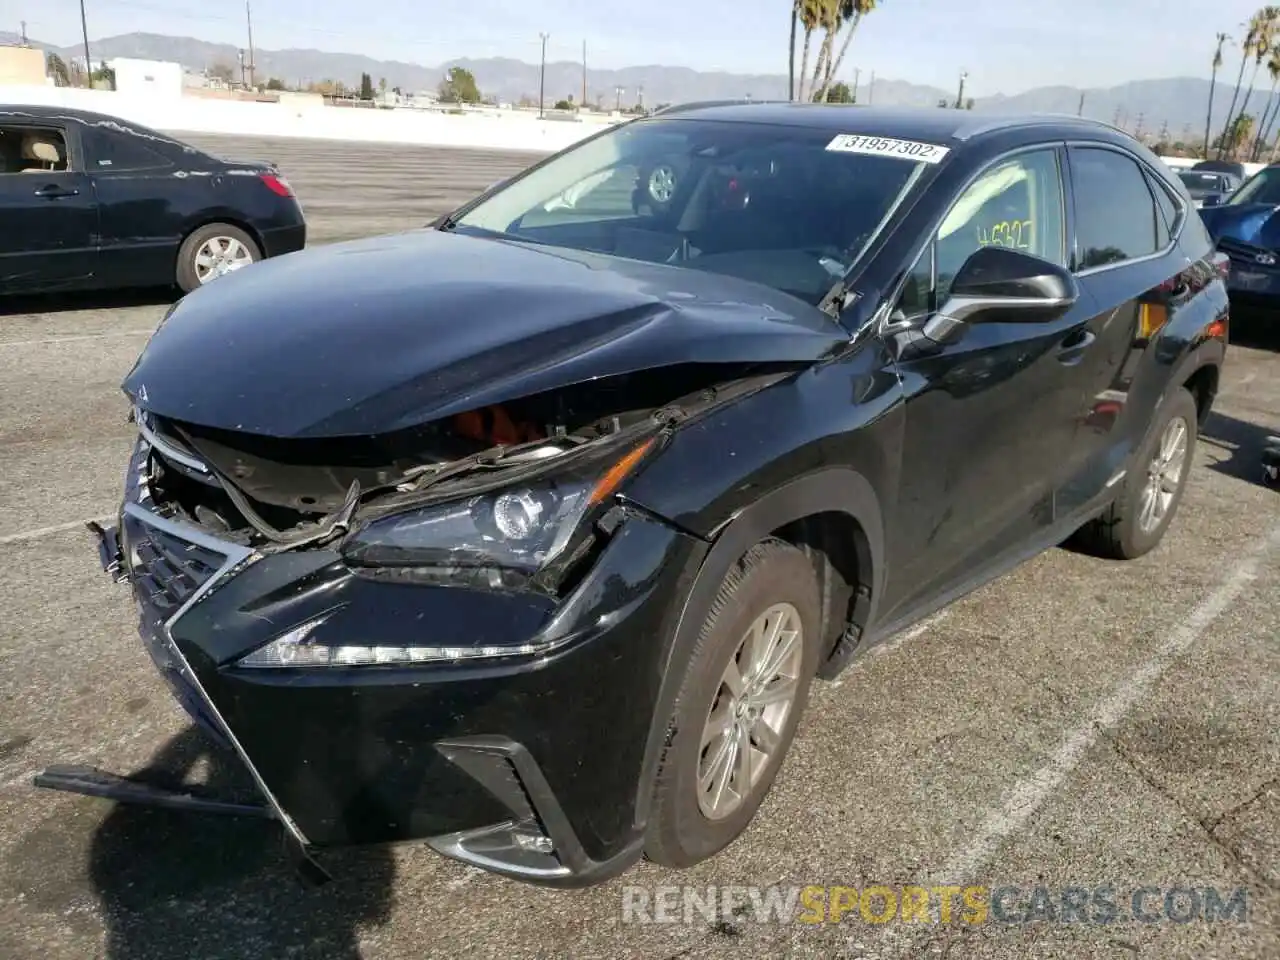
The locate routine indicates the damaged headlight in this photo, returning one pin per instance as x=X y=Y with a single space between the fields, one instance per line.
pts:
x=522 y=528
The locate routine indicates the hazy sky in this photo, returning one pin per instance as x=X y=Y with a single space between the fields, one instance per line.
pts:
x=1006 y=45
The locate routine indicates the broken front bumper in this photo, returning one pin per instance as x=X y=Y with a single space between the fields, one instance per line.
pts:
x=529 y=769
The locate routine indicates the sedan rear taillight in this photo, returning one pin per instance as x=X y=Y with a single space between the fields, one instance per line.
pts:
x=276 y=184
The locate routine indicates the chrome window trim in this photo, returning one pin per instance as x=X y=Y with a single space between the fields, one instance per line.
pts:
x=1175 y=235
x=237 y=557
x=883 y=326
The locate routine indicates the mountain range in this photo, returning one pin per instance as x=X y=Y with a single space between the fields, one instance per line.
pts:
x=1178 y=102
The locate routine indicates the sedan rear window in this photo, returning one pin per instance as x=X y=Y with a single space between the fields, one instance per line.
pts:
x=768 y=203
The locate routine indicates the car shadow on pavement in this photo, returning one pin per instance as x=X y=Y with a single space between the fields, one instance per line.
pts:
x=102 y=300
x=1236 y=446
x=188 y=885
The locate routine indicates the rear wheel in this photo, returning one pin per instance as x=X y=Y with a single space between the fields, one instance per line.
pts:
x=213 y=251
x=1141 y=513
x=743 y=693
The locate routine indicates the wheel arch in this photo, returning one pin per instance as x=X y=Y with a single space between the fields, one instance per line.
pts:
x=811 y=512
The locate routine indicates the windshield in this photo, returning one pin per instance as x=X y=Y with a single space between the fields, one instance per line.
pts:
x=1262 y=187
x=765 y=203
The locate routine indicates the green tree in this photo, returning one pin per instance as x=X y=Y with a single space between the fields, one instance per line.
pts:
x=838 y=93
x=56 y=68
x=382 y=86
x=1237 y=135
x=459 y=86
x=566 y=104
x=1213 y=82
x=222 y=71
x=104 y=77
x=274 y=83
x=366 y=87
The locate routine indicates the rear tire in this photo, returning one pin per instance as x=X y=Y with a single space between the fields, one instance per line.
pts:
x=689 y=822
x=1137 y=520
x=212 y=251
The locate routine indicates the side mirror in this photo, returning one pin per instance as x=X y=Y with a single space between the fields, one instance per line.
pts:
x=1000 y=285
x=1212 y=200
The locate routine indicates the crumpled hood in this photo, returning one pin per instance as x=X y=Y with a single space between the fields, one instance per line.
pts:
x=377 y=335
x=1252 y=223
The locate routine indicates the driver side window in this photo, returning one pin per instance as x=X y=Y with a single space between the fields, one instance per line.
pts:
x=1016 y=203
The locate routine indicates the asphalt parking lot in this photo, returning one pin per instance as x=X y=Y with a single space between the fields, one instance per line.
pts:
x=1076 y=724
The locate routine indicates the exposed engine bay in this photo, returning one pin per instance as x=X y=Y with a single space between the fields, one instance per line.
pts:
x=275 y=494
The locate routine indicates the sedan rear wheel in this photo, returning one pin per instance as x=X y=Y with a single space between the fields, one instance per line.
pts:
x=213 y=251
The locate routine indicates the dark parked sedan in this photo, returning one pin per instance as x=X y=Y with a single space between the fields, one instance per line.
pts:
x=93 y=202
x=525 y=535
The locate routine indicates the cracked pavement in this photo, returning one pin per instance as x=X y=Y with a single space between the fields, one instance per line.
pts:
x=1077 y=723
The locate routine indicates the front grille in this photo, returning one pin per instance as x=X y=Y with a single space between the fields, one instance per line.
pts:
x=166 y=570
x=1241 y=251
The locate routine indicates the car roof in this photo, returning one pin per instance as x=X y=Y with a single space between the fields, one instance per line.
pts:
x=932 y=124
x=21 y=111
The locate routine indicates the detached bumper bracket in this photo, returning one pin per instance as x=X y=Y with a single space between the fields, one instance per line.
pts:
x=92 y=782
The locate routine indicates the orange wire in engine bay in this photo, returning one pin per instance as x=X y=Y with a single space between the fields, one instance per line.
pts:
x=495 y=426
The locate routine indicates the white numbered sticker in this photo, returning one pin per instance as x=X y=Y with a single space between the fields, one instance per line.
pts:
x=888 y=147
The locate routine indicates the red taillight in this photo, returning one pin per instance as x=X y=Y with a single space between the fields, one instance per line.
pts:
x=276 y=184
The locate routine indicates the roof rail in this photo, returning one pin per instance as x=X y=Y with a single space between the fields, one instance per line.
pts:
x=1000 y=122
x=704 y=104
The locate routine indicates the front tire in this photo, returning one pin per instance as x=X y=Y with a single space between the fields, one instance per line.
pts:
x=212 y=251
x=1137 y=520
x=739 y=704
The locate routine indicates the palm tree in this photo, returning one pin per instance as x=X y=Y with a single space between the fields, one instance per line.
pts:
x=791 y=51
x=810 y=17
x=1266 y=29
x=1217 y=62
x=848 y=14
x=1246 y=49
x=1268 y=114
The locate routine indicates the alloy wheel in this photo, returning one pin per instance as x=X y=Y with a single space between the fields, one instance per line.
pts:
x=749 y=710
x=1164 y=474
x=218 y=256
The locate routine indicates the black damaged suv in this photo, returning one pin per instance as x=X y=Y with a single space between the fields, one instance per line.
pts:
x=525 y=534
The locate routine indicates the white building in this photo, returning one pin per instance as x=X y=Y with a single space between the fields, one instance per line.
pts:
x=152 y=78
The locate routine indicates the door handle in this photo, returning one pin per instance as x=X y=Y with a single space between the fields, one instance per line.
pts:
x=1073 y=347
x=53 y=192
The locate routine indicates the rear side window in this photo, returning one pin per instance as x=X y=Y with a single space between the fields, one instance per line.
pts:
x=1116 y=215
x=1167 y=222
x=120 y=151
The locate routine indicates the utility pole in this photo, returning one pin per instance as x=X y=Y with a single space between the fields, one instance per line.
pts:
x=618 y=106
x=241 y=53
x=1080 y=107
x=871 y=89
x=24 y=32
x=964 y=75
x=248 y=14
x=584 y=74
x=856 y=73
x=88 y=64
x=640 y=97
x=542 y=76
x=1137 y=130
